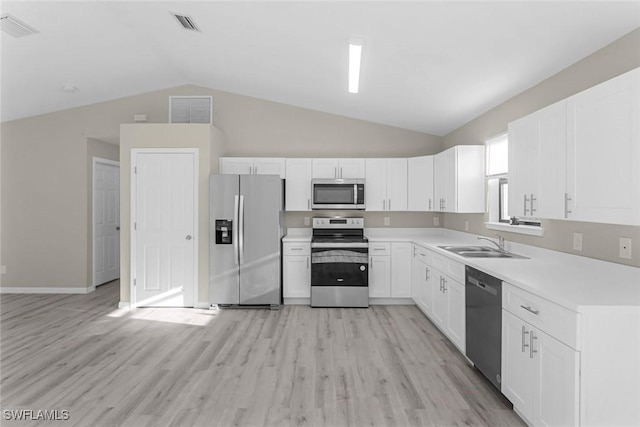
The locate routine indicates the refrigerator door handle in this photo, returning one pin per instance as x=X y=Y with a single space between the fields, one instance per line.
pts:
x=234 y=230
x=241 y=231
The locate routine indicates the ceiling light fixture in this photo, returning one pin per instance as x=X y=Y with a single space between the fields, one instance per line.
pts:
x=355 y=54
x=15 y=27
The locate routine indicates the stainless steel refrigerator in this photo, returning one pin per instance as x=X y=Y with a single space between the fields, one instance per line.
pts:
x=246 y=217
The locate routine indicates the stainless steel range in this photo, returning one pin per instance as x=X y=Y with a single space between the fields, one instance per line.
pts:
x=339 y=263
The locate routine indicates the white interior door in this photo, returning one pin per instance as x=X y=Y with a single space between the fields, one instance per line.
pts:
x=164 y=228
x=106 y=221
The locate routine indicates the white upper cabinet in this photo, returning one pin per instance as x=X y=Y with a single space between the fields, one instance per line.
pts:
x=603 y=152
x=298 y=184
x=386 y=185
x=253 y=166
x=420 y=184
x=339 y=168
x=459 y=179
x=537 y=156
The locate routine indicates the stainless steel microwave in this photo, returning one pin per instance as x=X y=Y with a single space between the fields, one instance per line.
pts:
x=337 y=194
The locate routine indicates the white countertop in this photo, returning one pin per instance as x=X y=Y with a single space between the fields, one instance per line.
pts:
x=578 y=283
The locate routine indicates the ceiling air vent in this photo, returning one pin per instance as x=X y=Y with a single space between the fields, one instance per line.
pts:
x=191 y=109
x=15 y=27
x=186 y=22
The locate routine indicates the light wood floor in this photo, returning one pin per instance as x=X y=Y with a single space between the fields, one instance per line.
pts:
x=386 y=366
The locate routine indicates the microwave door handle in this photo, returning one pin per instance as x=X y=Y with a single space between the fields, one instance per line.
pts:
x=355 y=194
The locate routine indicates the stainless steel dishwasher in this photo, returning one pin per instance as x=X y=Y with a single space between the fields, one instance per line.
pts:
x=484 y=322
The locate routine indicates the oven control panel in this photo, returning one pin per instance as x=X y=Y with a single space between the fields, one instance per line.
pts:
x=338 y=222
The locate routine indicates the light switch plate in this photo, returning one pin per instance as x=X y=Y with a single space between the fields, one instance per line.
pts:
x=436 y=220
x=466 y=226
x=307 y=220
x=387 y=221
x=3 y=269
x=625 y=247
x=577 y=241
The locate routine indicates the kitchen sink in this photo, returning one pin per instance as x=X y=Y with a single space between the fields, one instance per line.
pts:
x=480 y=252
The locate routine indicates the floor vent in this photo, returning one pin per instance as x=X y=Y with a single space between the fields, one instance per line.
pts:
x=15 y=27
x=191 y=109
x=186 y=22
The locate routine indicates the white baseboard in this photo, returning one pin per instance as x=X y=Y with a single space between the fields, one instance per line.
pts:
x=391 y=301
x=203 y=305
x=45 y=290
x=124 y=304
x=297 y=301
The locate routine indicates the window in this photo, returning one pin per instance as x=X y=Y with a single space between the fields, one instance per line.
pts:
x=497 y=166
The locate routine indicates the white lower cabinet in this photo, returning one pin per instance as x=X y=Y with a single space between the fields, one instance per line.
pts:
x=296 y=270
x=380 y=276
x=422 y=279
x=400 y=270
x=540 y=375
x=449 y=308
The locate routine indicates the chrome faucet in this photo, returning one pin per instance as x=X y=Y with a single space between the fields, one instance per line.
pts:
x=499 y=244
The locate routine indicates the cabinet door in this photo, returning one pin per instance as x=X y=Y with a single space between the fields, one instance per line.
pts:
x=516 y=366
x=298 y=184
x=445 y=180
x=269 y=166
x=351 y=168
x=439 y=307
x=603 y=166
x=325 y=168
x=375 y=189
x=555 y=388
x=296 y=277
x=420 y=184
x=551 y=133
x=380 y=276
x=236 y=165
x=401 y=270
x=397 y=184
x=456 y=326
x=417 y=275
x=523 y=165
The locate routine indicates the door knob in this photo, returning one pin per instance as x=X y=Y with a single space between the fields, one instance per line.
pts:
x=188 y=237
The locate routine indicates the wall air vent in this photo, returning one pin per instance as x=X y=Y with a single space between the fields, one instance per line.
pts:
x=186 y=22
x=191 y=109
x=15 y=27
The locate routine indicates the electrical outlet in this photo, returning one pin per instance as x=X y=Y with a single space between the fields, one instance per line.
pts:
x=466 y=226
x=436 y=221
x=577 y=241
x=3 y=269
x=387 y=221
x=625 y=247
x=307 y=220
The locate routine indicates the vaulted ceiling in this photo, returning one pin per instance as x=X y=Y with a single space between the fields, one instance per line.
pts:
x=429 y=66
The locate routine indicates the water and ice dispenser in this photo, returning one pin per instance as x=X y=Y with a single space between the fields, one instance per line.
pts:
x=224 y=229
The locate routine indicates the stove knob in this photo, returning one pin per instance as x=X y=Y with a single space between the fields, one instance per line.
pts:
x=362 y=268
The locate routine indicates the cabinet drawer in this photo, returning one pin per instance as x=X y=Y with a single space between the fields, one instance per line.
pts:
x=543 y=314
x=380 y=248
x=451 y=268
x=296 y=248
x=422 y=254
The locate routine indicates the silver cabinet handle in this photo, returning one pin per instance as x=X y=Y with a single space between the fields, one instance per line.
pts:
x=188 y=237
x=429 y=204
x=241 y=231
x=255 y=170
x=531 y=349
x=414 y=251
x=426 y=273
x=530 y=310
x=236 y=224
x=308 y=204
x=384 y=206
x=567 y=199
x=444 y=285
x=335 y=172
x=389 y=204
x=524 y=341
x=525 y=205
x=340 y=171
x=307 y=263
x=531 y=209
x=355 y=194
x=441 y=284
